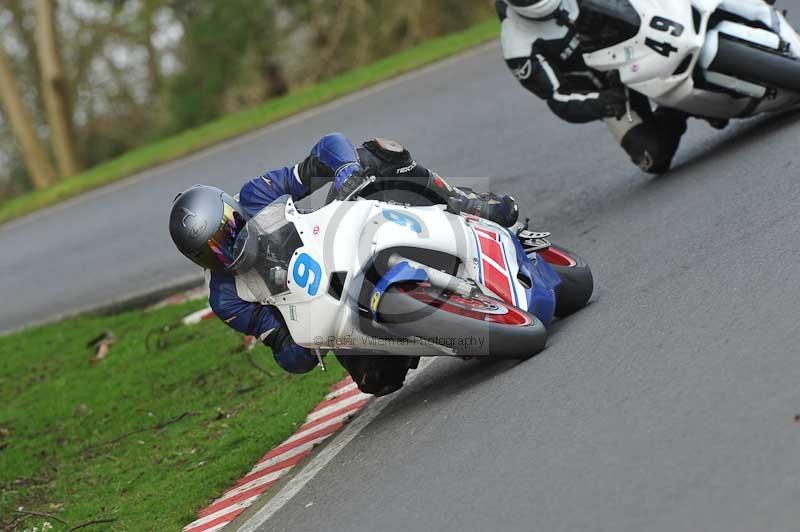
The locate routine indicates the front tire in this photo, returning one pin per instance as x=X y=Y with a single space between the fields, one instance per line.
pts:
x=577 y=282
x=750 y=63
x=476 y=326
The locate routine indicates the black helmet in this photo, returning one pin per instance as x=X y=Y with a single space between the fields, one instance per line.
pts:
x=535 y=9
x=204 y=224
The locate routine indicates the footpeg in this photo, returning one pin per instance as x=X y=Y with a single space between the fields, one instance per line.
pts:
x=533 y=241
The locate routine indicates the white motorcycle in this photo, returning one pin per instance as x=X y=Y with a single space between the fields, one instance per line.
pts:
x=389 y=279
x=714 y=59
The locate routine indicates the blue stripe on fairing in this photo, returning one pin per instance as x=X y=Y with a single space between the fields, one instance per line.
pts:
x=543 y=278
x=397 y=274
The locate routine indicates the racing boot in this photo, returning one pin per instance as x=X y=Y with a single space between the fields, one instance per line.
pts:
x=502 y=210
x=376 y=374
x=653 y=143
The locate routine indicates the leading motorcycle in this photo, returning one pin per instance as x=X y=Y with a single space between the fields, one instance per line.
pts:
x=715 y=59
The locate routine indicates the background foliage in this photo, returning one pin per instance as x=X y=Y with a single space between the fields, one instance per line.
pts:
x=139 y=70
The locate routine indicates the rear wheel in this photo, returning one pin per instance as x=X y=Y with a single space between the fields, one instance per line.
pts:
x=471 y=326
x=577 y=283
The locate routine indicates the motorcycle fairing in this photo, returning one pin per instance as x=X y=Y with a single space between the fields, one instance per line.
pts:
x=541 y=296
x=399 y=273
x=661 y=61
x=346 y=237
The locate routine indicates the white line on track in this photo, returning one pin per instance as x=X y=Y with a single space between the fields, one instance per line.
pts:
x=327 y=454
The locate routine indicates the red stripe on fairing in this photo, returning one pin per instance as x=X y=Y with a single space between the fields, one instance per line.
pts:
x=227 y=518
x=486 y=232
x=497 y=282
x=492 y=249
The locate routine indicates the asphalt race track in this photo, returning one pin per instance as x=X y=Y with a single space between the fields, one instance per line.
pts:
x=668 y=404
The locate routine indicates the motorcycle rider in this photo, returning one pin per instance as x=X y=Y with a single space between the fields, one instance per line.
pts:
x=205 y=221
x=543 y=44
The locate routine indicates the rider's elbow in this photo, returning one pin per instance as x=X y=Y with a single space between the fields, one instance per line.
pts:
x=502 y=9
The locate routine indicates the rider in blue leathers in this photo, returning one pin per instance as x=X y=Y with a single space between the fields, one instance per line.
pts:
x=204 y=223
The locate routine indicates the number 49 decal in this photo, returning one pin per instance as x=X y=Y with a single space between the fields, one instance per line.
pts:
x=667 y=26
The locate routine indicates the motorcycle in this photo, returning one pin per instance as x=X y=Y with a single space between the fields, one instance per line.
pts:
x=713 y=59
x=390 y=279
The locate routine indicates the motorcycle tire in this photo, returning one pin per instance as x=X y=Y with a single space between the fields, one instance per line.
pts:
x=761 y=66
x=577 y=283
x=471 y=326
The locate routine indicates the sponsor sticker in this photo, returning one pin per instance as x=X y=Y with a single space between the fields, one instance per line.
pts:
x=524 y=72
x=376 y=298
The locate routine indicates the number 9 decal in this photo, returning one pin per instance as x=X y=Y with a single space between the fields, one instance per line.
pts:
x=667 y=25
x=403 y=219
x=306 y=267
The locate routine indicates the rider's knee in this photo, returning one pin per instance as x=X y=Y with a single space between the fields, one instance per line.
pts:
x=651 y=149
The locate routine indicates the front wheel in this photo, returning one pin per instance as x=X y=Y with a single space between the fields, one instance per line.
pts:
x=470 y=326
x=577 y=282
x=747 y=61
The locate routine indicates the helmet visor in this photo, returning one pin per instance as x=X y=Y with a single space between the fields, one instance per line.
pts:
x=221 y=244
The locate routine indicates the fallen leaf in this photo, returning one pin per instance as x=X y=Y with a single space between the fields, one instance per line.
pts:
x=106 y=337
x=102 y=345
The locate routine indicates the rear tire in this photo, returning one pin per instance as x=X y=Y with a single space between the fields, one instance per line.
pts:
x=577 y=282
x=478 y=326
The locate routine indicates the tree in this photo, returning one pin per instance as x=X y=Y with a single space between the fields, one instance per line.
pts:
x=36 y=160
x=54 y=90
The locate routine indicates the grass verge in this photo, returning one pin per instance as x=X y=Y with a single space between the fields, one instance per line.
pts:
x=236 y=124
x=146 y=436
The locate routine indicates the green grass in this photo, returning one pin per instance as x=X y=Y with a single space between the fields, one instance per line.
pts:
x=60 y=418
x=239 y=123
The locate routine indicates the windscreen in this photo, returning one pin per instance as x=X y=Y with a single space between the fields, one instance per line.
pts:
x=264 y=249
x=606 y=23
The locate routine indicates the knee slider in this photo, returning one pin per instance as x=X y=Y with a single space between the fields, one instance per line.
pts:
x=295 y=359
x=647 y=149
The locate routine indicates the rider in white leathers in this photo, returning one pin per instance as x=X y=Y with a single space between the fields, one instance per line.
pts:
x=542 y=45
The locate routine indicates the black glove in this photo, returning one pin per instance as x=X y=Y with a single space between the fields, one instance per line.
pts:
x=614 y=103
